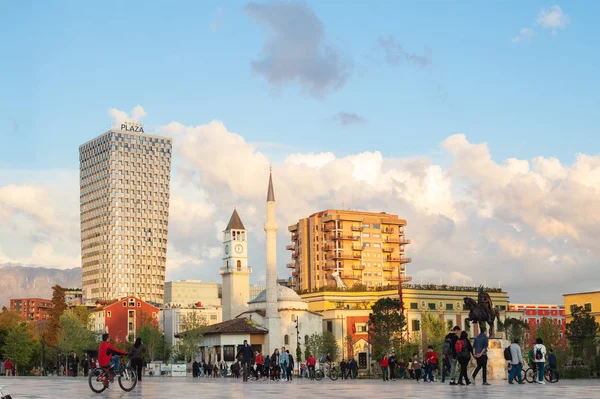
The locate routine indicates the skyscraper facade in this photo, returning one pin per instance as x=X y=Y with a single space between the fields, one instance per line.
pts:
x=124 y=212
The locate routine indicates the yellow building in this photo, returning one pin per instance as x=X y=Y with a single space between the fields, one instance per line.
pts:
x=588 y=300
x=336 y=248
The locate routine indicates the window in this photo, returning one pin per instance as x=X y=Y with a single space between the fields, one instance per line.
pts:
x=431 y=306
x=414 y=305
x=366 y=244
x=449 y=306
x=286 y=340
x=108 y=314
x=154 y=315
x=573 y=307
x=416 y=325
x=213 y=317
x=588 y=307
x=229 y=353
x=366 y=235
x=376 y=235
x=124 y=304
x=330 y=326
x=376 y=226
x=139 y=304
x=306 y=340
x=366 y=225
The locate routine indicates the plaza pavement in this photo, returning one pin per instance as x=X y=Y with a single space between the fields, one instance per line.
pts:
x=186 y=388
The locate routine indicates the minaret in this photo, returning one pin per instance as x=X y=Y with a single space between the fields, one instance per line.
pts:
x=235 y=272
x=272 y=322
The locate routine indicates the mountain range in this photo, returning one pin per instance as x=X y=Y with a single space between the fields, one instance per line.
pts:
x=20 y=281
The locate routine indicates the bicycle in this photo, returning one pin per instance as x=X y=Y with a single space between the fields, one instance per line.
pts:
x=332 y=373
x=4 y=393
x=550 y=375
x=100 y=378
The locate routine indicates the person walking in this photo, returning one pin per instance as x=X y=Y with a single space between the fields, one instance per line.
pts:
x=284 y=360
x=416 y=367
x=195 y=369
x=393 y=363
x=85 y=363
x=401 y=369
x=539 y=357
x=453 y=358
x=259 y=361
x=516 y=362
x=74 y=364
x=431 y=361
x=463 y=353
x=481 y=348
x=245 y=353
x=290 y=367
x=343 y=365
x=136 y=356
x=384 y=368
x=275 y=365
x=267 y=367
x=8 y=366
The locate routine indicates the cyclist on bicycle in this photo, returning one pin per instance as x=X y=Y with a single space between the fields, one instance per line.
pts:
x=106 y=358
x=245 y=352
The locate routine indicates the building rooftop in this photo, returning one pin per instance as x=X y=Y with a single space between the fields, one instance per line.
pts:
x=235 y=222
x=283 y=294
x=235 y=326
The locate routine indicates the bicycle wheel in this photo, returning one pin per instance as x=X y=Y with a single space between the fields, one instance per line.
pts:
x=333 y=374
x=319 y=375
x=530 y=375
x=551 y=376
x=127 y=379
x=97 y=380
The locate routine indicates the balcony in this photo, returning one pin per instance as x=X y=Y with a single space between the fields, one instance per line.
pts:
x=290 y=247
x=327 y=229
x=350 y=276
x=294 y=237
x=357 y=248
x=357 y=228
x=387 y=230
x=358 y=267
x=405 y=241
x=294 y=255
x=346 y=237
x=343 y=256
x=394 y=240
x=329 y=248
x=388 y=268
x=295 y=274
x=329 y=266
x=387 y=249
x=401 y=259
x=403 y=279
x=290 y=265
x=405 y=260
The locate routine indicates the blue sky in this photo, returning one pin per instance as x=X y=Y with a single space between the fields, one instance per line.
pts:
x=385 y=105
x=66 y=63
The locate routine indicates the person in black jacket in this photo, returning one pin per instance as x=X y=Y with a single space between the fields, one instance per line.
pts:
x=136 y=356
x=392 y=362
x=245 y=353
x=74 y=364
x=85 y=363
x=195 y=369
x=464 y=357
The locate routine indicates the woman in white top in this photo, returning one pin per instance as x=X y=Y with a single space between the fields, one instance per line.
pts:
x=539 y=357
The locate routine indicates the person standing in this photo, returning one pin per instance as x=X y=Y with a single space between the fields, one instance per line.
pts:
x=431 y=361
x=552 y=362
x=516 y=362
x=284 y=360
x=343 y=368
x=245 y=353
x=481 y=348
x=463 y=353
x=311 y=362
x=539 y=357
x=416 y=367
x=275 y=364
x=85 y=363
x=8 y=366
x=74 y=364
x=290 y=370
x=393 y=363
x=384 y=368
x=259 y=364
x=401 y=369
x=267 y=367
x=195 y=369
x=136 y=356
x=453 y=336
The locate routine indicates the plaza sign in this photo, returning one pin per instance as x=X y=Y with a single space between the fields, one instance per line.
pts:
x=132 y=127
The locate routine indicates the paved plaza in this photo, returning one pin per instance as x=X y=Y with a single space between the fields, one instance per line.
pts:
x=183 y=388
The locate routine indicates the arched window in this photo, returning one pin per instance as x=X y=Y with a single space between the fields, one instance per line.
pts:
x=286 y=340
x=243 y=236
x=239 y=265
x=233 y=233
x=306 y=340
x=227 y=264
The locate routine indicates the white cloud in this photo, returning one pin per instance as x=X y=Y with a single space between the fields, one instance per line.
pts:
x=119 y=117
x=524 y=34
x=553 y=18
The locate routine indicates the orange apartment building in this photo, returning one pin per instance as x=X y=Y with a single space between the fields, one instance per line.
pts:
x=32 y=309
x=337 y=248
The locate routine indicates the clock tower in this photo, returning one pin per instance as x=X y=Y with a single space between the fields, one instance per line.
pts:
x=235 y=272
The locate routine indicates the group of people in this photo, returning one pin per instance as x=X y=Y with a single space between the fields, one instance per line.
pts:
x=536 y=359
x=7 y=367
x=277 y=367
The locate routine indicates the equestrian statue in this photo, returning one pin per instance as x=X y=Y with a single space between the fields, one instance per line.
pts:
x=482 y=311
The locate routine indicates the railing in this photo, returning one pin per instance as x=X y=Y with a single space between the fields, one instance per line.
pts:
x=357 y=247
x=358 y=267
x=343 y=256
x=295 y=274
x=294 y=237
x=346 y=237
x=350 y=276
x=290 y=265
x=357 y=228
x=295 y=255
x=388 y=268
x=387 y=230
x=392 y=240
x=405 y=260
x=387 y=249
x=329 y=248
x=329 y=266
x=405 y=241
x=290 y=247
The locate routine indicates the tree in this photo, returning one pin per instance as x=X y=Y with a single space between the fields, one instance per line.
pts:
x=349 y=347
x=549 y=332
x=59 y=306
x=192 y=334
x=386 y=323
x=19 y=345
x=84 y=315
x=152 y=338
x=321 y=344
x=74 y=335
x=582 y=333
x=435 y=331
x=515 y=329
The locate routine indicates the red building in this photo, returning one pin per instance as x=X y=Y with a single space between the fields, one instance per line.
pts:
x=533 y=315
x=122 y=318
x=32 y=309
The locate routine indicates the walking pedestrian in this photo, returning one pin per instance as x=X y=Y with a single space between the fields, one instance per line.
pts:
x=516 y=362
x=384 y=368
x=284 y=360
x=464 y=349
x=74 y=364
x=267 y=367
x=195 y=369
x=480 y=352
x=416 y=367
x=343 y=368
x=290 y=369
x=85 y=363
x=431 y=361
x=136 y=356
x=454 y=337
x=8 y=366
x=245 y=353
x=275 y=364
x=539 y=353
x=393 y=363
x=401 y=369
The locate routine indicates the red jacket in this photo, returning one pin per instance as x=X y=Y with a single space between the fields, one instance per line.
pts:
x=384 y=362
x=431 y=357
x=8 y=365
x=259 y=359
x=311 y=361
x=103 y=355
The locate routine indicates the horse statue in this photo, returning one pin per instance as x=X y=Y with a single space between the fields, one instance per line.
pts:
x=482 y=311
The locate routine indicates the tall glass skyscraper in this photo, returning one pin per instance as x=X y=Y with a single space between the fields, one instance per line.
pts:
x=124 y=209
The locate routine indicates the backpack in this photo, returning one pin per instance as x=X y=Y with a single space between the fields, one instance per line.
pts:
x=447 y=346
x=507 y=354
x=323 y=359
x=538 y=354
x=459 y=346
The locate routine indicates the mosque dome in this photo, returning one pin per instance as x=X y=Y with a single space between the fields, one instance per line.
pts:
x=284 y=294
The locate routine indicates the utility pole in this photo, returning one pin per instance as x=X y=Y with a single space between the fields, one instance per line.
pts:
x=298 y=350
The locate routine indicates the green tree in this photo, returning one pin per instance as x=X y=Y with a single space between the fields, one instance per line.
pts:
x=515 y=329
x=386 y=325
x=582 y=334
x=74 y=335
x=192 y=334
x=549 y=332
x=321 y=344
x=60 y=305
x=19 y=345
x=435 y=331
x=152 y=338
x=84 y=315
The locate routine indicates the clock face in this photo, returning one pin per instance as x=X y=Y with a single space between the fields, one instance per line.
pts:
x=226 y=249
x=239 y=248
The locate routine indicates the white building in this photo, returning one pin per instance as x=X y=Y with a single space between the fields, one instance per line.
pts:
x=186 y=293
x=170 y=320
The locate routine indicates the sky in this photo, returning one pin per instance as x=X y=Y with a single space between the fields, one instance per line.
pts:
x=475 y=121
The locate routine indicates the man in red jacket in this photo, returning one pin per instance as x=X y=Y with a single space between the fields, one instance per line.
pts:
x=106 y=352
x=311 y=363
x=431 y=361
x=259 y=363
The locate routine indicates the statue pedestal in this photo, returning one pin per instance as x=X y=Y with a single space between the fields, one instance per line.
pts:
x=497 y=365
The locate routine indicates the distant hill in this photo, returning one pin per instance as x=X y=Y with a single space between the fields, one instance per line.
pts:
x=19 y=281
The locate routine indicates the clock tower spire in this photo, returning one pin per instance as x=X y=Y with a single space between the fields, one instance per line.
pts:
x=235 y=272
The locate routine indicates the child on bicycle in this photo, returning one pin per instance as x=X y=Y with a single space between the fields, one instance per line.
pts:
x=106 y=358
